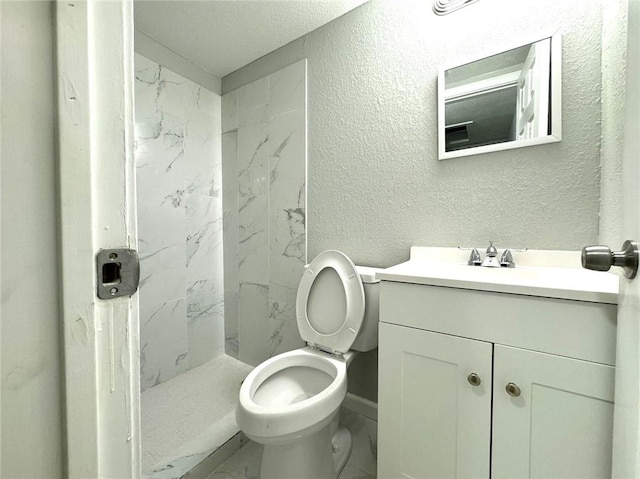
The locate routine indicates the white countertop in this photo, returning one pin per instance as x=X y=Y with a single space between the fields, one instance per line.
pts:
x=551 y=274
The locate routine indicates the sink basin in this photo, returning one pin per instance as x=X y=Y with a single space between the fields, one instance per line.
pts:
x=449 y=269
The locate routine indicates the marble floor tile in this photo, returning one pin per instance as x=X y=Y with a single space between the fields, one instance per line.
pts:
x=364 y=433
x=244 y=464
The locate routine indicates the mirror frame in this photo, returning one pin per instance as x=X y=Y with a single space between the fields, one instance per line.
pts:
x=556 y=103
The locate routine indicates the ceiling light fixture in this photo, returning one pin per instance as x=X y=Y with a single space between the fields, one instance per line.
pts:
x=443 y=7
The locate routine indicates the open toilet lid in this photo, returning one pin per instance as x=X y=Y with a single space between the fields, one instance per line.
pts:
x=330 y=302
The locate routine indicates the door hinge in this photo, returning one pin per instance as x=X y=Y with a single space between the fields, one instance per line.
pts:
x=117 y=272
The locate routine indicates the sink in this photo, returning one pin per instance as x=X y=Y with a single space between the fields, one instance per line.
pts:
x=553 y=274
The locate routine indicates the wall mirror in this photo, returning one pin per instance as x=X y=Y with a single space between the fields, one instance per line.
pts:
x=501 y=101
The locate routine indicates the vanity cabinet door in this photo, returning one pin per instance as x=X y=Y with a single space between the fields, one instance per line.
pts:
x=552 y=416
x=433 y=422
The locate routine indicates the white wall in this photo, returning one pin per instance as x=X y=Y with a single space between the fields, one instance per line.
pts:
x=375 y=184
x=31 y=367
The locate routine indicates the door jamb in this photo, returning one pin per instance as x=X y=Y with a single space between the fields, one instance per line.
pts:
x=94 y=47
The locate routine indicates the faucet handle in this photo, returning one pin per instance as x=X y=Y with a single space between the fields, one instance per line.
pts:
x=474 y=258
x=506 y=259
x=492 y=252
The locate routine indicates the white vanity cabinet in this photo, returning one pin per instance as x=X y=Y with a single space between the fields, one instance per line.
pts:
x=478 y=384
x=560 y=423
x=431 y=421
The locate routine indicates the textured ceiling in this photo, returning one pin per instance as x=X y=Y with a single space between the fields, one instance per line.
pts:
x=222 y=36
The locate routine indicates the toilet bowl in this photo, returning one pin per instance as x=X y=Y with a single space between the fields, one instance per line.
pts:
x=290 y=402
x=290 y=395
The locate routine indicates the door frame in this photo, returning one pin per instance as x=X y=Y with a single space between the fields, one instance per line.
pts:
x=94 y=46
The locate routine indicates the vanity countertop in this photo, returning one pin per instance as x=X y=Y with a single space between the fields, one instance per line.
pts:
x=551 y=274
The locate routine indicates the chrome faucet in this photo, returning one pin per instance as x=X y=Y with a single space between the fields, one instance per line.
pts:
x=490 y=259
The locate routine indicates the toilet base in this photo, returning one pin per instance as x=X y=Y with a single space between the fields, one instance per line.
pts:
x=341 y=445
x=313 y=456
x=308 y=457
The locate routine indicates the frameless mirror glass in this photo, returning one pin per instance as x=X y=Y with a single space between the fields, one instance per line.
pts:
x=508 y=100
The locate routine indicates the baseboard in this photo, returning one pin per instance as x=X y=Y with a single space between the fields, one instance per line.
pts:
x=361 y=406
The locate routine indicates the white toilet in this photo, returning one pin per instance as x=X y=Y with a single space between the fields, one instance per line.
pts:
x=290 y=402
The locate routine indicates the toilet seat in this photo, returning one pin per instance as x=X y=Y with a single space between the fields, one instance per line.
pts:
x=342 y=323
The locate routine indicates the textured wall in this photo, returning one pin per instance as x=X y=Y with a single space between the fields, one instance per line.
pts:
x=179 y=184
x=614 y=69
x=32 y=437
x=264 y=165
x=376 y=186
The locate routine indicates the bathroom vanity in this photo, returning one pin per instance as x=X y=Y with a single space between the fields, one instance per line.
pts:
x=496 y=372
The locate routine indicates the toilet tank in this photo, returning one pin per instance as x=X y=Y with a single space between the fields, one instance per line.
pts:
x=367 y=338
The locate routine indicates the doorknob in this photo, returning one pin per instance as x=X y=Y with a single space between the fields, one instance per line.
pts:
x=601 y=258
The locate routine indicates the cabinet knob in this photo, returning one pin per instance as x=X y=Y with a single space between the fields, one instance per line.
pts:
x=474 y=379
x=513 y=390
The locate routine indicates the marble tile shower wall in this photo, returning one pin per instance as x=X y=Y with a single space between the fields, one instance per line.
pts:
x=179 y=183
x=264 y=165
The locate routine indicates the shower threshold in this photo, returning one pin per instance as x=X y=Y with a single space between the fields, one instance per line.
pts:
x=187 y=419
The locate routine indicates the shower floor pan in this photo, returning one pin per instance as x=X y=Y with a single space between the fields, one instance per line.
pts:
x=185 y=420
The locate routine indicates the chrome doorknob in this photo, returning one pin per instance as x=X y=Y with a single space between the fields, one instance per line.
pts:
x=601 y=258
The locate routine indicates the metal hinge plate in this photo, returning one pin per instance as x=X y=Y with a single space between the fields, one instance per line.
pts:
x=117 y=272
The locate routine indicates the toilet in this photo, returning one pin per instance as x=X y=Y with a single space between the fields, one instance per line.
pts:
x=290 y=402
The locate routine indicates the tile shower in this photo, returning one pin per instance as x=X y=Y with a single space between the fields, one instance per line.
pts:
x=222 y=242
x=179 y=183
x=264 y=171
